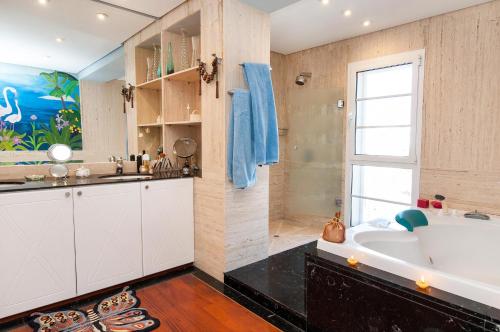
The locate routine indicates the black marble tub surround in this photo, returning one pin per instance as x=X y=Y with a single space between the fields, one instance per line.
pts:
x=276 y=283
x=53 y=183
x=362 y=298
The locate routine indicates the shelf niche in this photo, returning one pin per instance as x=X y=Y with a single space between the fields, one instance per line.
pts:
x=148 y=93
x=143 y=51
x=150 y=138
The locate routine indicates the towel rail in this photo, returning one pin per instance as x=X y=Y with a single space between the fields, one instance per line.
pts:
x=242 y=64
x=230 y=92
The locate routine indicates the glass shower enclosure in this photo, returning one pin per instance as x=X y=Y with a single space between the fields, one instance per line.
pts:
x=314 y=149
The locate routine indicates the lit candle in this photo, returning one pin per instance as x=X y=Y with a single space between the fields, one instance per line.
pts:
x=421 y=283
x=352 y=261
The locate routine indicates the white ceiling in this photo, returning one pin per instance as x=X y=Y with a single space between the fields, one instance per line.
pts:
x=28 y=30
x=156 y=8
x=309 y=23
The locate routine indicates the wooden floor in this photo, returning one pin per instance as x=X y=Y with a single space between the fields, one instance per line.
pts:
x=186 y=303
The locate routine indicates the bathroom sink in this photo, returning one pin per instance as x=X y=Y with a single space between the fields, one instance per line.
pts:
x=7 y=184
x=127 y=177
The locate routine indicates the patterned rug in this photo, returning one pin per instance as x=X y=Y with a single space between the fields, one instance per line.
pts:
x=120 y=312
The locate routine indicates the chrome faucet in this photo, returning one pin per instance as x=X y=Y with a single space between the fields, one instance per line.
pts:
x=477 y=215
x=119 y=166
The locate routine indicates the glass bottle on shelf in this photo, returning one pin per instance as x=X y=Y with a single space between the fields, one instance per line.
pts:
x=156 y=61
x=170 y=59
x=149 y=71
x=184 y=50
x=195 y=54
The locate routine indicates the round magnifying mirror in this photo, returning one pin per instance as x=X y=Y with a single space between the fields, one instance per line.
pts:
x=59 y=153
x=58 y=171
x=185 y=147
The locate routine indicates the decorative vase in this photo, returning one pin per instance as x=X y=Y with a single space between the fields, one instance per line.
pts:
x=170 y=59
x=184 y=50
x=156 y=61
x=158 y=71
x=195 y=53
x=149 y=71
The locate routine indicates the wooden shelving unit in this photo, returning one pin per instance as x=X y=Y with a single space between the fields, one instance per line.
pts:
x=162 y=103
x=151 y=85
x=149 y=125
x=183 y=123
x=187 y=75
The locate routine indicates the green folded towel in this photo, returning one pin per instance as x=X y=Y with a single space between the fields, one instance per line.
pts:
x=411 y=219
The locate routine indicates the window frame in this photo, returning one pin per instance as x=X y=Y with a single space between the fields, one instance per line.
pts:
x=412 y=161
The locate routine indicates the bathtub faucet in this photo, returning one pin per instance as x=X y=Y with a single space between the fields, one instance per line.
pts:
x=477 y=215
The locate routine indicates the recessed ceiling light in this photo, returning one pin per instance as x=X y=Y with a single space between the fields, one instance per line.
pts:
x=43 y=2
x=366 y=23
x=347 y=12
x=325 y=2
x=59 y=39
x=102 y=16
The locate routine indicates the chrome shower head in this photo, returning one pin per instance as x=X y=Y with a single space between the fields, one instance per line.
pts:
x=302 y=78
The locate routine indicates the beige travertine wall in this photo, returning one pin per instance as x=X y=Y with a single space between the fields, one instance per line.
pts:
x=246 y=212
x=103 y=121
x=461 y=111
x=277 y=172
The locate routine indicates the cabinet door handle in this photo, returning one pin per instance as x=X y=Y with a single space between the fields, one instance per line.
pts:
x=79 y=193
x=67 y=194
x=146 y=187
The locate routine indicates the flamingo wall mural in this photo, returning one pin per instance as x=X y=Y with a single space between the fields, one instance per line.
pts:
x=38 y=108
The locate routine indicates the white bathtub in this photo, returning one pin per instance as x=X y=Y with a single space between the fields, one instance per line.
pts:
x=454 y=254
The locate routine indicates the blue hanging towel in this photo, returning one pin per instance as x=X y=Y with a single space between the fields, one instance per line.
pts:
x=241 y=165
x=265 y=124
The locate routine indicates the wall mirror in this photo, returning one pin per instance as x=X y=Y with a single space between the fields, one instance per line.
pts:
x=61 y=79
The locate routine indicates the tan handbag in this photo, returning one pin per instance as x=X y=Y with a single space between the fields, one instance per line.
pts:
x=334 y=230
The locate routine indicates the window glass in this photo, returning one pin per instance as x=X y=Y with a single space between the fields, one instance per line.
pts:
x=384 y=112
x=385 y=183
x=367 y=210
x=390 y=141
x=385 y=81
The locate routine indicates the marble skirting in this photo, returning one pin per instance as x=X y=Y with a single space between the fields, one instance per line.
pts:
x=362 y=298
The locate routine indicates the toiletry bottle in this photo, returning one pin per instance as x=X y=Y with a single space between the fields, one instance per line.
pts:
x=139 y=163
x=444 y=205
x=146 y=159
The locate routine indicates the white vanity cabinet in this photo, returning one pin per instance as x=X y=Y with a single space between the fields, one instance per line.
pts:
x=107 y=235
x=56 y=244
x=37 y=254
x=167 y=224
